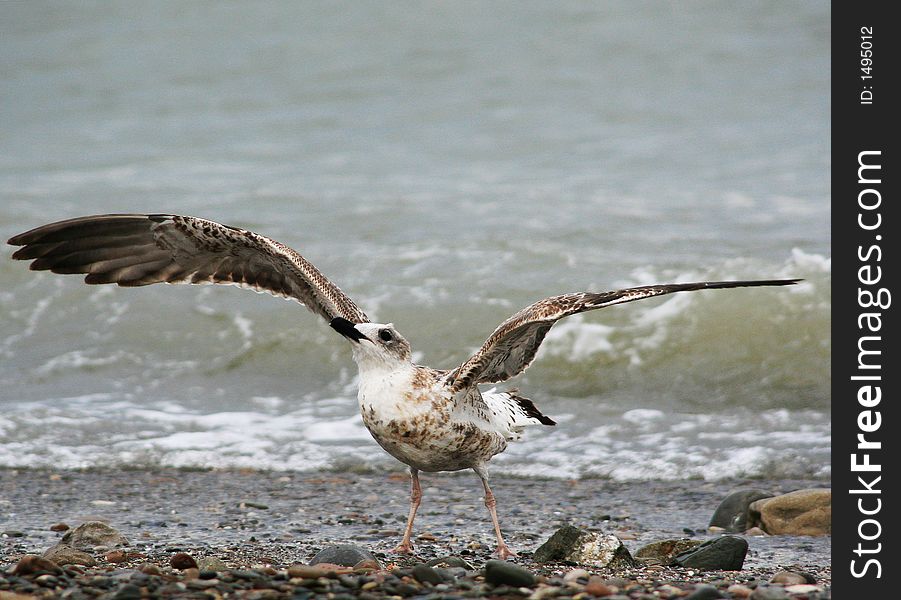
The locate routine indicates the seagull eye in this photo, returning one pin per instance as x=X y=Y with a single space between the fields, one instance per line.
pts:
x=385 y=335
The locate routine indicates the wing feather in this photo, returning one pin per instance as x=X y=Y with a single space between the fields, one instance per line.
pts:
x=513 y=345
x=137 y=250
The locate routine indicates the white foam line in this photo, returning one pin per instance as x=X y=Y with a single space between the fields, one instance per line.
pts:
x=31 y=323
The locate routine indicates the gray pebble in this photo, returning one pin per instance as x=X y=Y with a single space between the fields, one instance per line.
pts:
x=243 y=574
x=704 y=592
x=129 y=591
x=426 y=574
x=732 y=513
x=725 y=553
x=343 y=554
x=201 y=584
x=499 y=572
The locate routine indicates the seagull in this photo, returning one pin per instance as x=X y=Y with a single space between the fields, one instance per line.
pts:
x=429 y=419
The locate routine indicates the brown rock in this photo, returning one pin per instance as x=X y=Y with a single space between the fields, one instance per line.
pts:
x=32 y=563
x=62 y=554
x=620 y=583
x=59 y=527
x=315 y=571
x=91 y=534
x=739 y=591
x=150 y=569
x=573 y=577
x=116 y=556
x=596 y=587
x=791 y=578
x=335 y=568
x=367 y=565
x=803 y=588
x=670 y=591
x=182 y=561
x=5 y=595
x=802 y=512
x=663 y=552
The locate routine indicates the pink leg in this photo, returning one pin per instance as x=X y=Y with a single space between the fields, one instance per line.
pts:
x=503 y=551
x=406 y=546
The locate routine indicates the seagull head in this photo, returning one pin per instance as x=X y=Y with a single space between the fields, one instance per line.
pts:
x=374 y=340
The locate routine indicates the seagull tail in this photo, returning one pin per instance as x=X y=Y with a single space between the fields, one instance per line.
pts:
x=526 y=409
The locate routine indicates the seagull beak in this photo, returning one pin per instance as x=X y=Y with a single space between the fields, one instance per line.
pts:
x=347 y=329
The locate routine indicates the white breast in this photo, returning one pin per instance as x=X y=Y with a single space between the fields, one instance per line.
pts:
x=415 y=420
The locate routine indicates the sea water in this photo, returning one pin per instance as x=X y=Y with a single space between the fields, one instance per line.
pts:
x=445 y=164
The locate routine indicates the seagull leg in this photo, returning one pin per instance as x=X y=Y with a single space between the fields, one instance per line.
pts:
x=406 y=546
x=503 y=551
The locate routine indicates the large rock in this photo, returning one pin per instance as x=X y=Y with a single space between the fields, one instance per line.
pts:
x=803 y=512
x=585 y=548
x=92 y=534
x=725 y=553
x=346 y=555
x=732 y=513
x=62 y=554
x=663 y=552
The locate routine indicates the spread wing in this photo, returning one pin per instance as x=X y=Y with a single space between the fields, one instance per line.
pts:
x=135 y=250
x=512 y=346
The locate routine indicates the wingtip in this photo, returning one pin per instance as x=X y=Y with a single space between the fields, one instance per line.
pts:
x=23 y=253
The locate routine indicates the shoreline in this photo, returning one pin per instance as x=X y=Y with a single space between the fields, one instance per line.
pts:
x=254 y=519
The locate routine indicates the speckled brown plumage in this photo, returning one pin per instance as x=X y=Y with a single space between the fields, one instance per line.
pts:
x=136 y=250
x=512 y=347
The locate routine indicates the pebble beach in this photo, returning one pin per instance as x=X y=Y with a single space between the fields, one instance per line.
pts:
x=257 y=534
